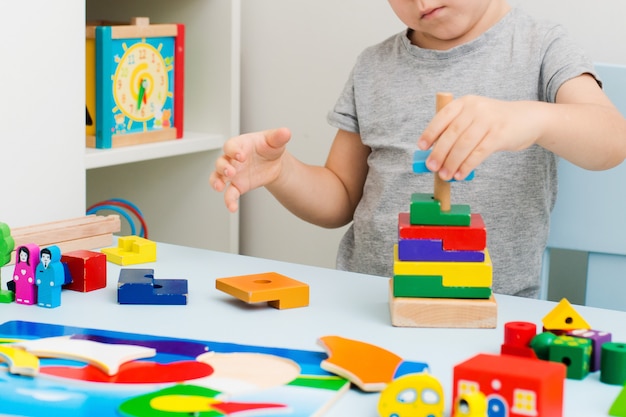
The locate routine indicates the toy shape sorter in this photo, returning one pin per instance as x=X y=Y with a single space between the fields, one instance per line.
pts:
x=442 y=269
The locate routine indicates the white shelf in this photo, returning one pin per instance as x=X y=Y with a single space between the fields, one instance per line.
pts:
x=190 y=143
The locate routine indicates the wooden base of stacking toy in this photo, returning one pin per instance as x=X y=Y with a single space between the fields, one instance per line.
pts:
x=442 y=312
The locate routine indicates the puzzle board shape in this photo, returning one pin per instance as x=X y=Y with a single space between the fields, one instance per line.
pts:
x=309 y=392
x=277 y=290
x=107 y=357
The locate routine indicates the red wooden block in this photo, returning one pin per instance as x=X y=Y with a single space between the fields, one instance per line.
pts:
x=517 y=338
x=519 y=333
x=472 y=237
x=512 y=385
x=88 y=270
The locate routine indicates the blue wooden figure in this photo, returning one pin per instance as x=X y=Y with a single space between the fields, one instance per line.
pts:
x=50 y=277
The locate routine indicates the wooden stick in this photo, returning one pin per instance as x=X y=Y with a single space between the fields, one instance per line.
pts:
x=442 y=188
x=61 y=231
x=88 y=232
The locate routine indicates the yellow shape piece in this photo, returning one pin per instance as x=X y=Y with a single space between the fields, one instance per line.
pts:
x=412 y=395
x=20 y=362
x=564 y=317
x=278 y=290
x=470 y=404
x=131 y=250
x=369 y=367
x=182 y=403
x=454 y=274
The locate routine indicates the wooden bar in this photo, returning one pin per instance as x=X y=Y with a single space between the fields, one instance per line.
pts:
x=88 y=232
x=442 y=188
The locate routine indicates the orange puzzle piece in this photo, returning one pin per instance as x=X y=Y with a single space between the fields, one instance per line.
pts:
x=370 y=367
x=278 y=290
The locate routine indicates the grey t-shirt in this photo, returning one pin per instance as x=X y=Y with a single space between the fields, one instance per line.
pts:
x=390 y=98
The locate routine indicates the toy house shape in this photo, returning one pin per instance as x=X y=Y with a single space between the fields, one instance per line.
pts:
x=513 y=385
x=131 y=250
x=138 y=286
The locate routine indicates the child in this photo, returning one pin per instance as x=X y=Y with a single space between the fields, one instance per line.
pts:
x=526 y=95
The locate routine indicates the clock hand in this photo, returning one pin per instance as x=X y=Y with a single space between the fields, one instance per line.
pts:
x=142 y=91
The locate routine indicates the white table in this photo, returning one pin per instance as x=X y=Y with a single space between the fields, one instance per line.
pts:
x=350 y=305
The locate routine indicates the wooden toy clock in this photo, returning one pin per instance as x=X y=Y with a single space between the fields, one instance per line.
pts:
x=134 y=83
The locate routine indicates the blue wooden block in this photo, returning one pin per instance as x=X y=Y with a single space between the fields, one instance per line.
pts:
x=419 y=165
x=138 y=286
x=432 y=250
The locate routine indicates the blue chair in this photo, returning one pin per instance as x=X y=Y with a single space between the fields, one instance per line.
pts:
x=590 y=215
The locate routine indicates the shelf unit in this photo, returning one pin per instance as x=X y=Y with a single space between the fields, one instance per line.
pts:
x=169 y=180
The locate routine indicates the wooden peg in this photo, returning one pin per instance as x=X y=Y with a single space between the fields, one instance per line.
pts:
x=442 y=188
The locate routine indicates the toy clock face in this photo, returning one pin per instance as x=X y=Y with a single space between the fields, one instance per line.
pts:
x=140 y=83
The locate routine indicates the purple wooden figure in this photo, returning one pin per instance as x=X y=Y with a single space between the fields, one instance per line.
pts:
x=26 y=260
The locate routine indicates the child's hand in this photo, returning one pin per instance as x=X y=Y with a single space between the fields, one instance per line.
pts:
x=467 y=130
x=249 y=161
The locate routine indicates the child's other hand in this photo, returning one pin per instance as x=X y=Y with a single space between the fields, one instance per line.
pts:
x=249 y=161
x=469 y=129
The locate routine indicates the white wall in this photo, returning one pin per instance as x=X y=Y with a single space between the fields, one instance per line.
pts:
x=296 y=56
x=42 y=80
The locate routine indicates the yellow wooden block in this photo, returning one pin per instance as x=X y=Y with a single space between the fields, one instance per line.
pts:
x=564 y=317
x=442 y=312
x=454 y=274
x=131 y=250
x=277 y=290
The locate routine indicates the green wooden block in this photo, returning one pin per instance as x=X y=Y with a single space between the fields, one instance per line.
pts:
x=7 y=296
x=425 y=210
x=573 y=352
x=426 y=286
x=613 y=363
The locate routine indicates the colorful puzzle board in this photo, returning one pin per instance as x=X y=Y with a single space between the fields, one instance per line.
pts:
x=214 y=387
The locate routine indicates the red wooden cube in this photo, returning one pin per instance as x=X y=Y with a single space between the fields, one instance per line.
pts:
x=88 y=270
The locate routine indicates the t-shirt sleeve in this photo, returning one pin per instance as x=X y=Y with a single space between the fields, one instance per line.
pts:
x=563 y=60
x=343 y=116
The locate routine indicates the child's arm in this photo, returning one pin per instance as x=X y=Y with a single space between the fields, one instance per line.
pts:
x=326 y=196
x=583 y=127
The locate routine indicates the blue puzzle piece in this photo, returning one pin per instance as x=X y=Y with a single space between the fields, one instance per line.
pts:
x=407 y=367
x=419 y=165
x=138 y=286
